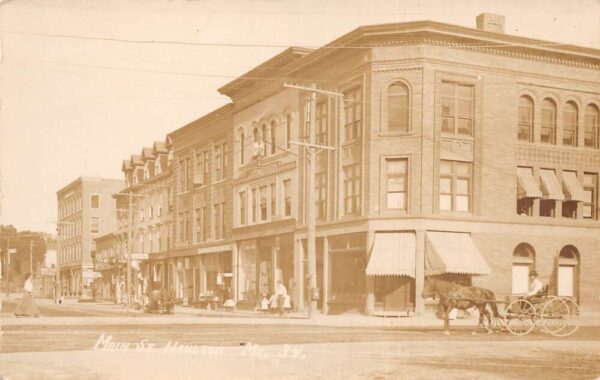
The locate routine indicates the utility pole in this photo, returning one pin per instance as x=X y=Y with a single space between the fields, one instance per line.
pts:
x=129 y=249
x=311 y=150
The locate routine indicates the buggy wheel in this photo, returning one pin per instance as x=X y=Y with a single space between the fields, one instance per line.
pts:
x=560 y=316
x=520 y=317
x=496 y=325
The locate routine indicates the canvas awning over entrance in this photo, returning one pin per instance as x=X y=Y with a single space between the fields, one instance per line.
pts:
x=574 y=190
x=393 y=254
x=551 y=188
x=527 y=188
x=453 y=252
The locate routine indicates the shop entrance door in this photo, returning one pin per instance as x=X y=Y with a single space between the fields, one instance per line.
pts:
x=394 y=293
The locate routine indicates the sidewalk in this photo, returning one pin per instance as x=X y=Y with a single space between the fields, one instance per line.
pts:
x=189 y=315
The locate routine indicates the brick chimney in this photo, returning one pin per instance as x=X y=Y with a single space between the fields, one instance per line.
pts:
x=490 y=22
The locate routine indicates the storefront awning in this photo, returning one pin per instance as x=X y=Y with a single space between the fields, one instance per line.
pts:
x=573 y=189
x=452 y=252
x=393 y=254
x=551 y=188
x=527 y=188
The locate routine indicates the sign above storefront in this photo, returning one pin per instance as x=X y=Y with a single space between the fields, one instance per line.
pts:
x=215 y=249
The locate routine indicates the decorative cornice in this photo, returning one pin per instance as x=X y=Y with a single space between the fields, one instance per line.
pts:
x=557 y=156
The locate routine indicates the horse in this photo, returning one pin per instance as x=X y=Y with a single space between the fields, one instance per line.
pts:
x=460 y=297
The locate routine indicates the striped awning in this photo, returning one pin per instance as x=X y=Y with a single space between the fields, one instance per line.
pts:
x=551 y=189
x=453 y=252
x=527 y=188
x=573 y=189
x=393 y=254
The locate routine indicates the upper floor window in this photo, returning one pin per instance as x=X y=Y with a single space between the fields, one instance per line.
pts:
x=457 y=109
x=287 y=197
x=570 y=124
x=352 y=189
x=182 y=176
x=548 y=130
x=525 y=132
x=455 y=185
x=94 y=224
x=396 y=183
x=206 y=161
x=264 y=138
x=590 y=187
x=592 y=127
x=243 y=217
x=273 y=140
x=199 y=169
x=397 y=108
x=321 y=124
x=353 y=111
x=95 y=201
x=273 y=200
x=263 y=203
x=157 y=166
x=218 y=163
x=242 y=143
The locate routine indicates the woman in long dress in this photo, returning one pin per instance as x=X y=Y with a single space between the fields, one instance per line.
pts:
x=27 y=307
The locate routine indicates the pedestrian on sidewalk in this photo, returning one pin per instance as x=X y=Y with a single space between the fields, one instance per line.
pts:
x=282 y=294
x=27 y=307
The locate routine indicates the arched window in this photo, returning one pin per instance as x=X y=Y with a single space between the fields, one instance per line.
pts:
x=273 y=137
x=263 y=139
x=548 y=130
x=592 y=127
x=523 y=263
x=568 y=273
x=570 y=116
x=525 y=132
x=242 y=145
x=397 y=108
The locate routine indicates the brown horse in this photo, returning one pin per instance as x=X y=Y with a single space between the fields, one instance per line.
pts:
x=460 y=297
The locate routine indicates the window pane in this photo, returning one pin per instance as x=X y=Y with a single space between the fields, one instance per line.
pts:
x=463 y=168
x=448 y=125
x=462 y=186
x=396 y=184
x=462 y=203
x=464 y=126
x=448 y=107
x=587 y=211
x=445 y=167
x=396 y=200
x=396 y=166
x=464 y=108
x=465 y=91
x=447 y=89
x=445 y=185
x=446 y=202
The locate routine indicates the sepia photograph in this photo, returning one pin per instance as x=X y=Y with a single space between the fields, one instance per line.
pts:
x=280 y=189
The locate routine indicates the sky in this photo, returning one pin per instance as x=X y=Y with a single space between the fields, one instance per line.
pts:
x=84 y=84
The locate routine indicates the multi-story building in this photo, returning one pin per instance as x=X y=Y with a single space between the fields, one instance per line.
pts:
x=109 y=265
x=463 y=153
x=86 y=210
x=145 y=214
x=201 y=259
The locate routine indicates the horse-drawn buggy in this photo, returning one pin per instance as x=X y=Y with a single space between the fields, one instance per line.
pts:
x=518 y=315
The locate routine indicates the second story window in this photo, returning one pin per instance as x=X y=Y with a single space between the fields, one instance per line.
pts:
x=254 y=205
x=287 y=197
x=592 y=127
x=352 y=189
x=548 y=129
x=590 y=188
x=242 y=144
x=457 y=109
x=273 y=199
x=95 y=201
x=525 y=132
x=199 y=169
x=396 y=183
x=94 y=224
x=206 y=162
x=273 y=141
x=243 y=217
x=321 y=124
x=288 y=131
x=353 y=112
x=397 y=108
x=570 y=124
x=218 y=163
x=182 y=176
x=455 y=186
x=263 y=203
